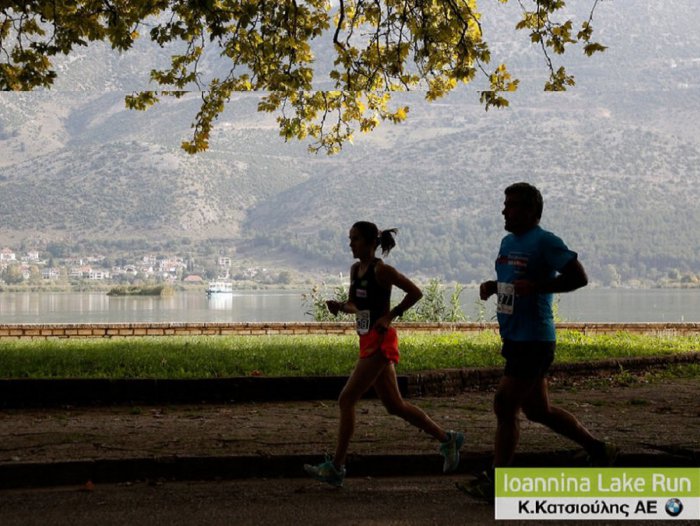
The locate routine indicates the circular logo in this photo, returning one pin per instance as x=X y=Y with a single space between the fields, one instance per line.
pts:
x=674 y=507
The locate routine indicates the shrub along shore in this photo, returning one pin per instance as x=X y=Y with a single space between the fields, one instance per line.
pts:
x=312 y=355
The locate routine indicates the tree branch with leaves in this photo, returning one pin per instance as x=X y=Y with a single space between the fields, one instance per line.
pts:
x=380 y=47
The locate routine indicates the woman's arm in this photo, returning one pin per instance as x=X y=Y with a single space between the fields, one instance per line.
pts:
x=347 y=307
x=388 y=276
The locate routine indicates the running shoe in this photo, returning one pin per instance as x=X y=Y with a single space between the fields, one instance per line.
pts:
x=604 y=457
x=482 y=487
x=450 y=450
x=327 y=472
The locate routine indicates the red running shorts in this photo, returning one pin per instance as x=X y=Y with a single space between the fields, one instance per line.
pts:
x=387 y=343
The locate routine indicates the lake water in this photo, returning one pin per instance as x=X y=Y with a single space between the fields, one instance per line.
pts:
x=591 y=305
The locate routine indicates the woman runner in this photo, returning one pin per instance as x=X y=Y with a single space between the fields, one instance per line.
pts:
x=369 y=296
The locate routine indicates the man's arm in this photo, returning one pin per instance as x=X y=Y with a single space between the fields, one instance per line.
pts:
x=571 y=277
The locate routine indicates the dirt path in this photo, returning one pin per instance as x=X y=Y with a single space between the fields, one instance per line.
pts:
x=642 y=418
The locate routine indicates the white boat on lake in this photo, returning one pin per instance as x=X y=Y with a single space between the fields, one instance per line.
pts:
x=220 y=287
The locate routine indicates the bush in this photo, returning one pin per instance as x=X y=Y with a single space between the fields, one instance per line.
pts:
x=433 y=307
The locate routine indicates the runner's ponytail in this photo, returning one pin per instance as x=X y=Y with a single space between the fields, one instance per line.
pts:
x=387 y=241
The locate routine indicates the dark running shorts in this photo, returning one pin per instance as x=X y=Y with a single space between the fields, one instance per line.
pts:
x=527 y=359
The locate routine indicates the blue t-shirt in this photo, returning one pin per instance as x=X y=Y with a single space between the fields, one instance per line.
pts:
x=536 y=255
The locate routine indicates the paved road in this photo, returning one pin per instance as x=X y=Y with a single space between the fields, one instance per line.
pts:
x=280 y=502
x=411 y=500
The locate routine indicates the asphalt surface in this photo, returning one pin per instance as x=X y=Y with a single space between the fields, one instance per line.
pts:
x=405 y=501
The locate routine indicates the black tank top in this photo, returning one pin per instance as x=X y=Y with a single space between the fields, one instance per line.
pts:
x=368 y=294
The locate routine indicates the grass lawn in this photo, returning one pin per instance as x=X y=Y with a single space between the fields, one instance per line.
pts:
x=224 y=356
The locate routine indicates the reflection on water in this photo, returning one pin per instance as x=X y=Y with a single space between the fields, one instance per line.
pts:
x=191 y=306
x=221 y=301
x=593 y=305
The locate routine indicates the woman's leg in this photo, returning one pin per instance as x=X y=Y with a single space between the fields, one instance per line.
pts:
x=387 y=389
x=365 y=374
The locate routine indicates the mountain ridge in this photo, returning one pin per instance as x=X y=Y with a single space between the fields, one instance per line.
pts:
x=617 y=158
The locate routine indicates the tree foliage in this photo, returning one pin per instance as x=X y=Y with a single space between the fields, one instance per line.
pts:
x=380 y=47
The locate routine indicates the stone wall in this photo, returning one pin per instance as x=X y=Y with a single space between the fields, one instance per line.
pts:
x=120 y=330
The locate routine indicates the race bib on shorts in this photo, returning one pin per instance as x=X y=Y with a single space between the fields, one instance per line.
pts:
x=362 y=322
x=506 y=298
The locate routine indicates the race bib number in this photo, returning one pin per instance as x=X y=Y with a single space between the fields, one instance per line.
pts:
x=506 y=298
x=362 y=322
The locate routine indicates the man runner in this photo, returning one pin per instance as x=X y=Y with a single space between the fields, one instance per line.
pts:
x=531 y=266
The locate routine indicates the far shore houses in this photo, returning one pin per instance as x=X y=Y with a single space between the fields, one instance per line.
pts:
x=92 y=267
x=34 y=265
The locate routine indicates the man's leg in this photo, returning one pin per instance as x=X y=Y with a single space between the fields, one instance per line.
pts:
x=507 y=403
x=537 y=408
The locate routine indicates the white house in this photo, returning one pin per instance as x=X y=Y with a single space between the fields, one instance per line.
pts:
x=79 y=272
x=7 y=254
x=97 y=274
x=50 y=273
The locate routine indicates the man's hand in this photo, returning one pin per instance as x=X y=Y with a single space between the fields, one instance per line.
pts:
x=487 y=289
